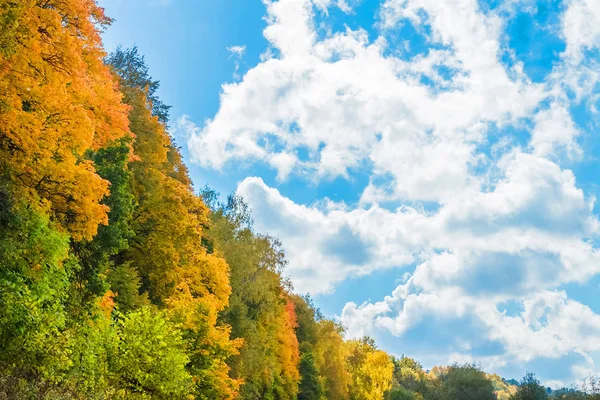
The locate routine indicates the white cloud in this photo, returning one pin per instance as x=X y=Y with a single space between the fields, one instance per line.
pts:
x=581 y=27
x=531 y=193
x=507 y=222
x=290 y=26
x=347 y=102
x=534 y=222
x=237 y=51
x=327 y=244
x=554 y=130
x=550 y=324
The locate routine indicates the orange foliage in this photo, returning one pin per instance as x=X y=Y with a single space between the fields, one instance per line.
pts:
x=57 y=101
x=289 y=352
x=106 y=303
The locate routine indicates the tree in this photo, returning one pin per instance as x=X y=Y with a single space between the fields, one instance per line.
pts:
x=97 y=256
x=34 y=285
x=151 y=357
x=591 y=386
x=330 y=352
x=400 y=393
x=57 y=102
x=409 y=374
x=371 y=370
x=570 y=394
x=502 y=387
x=310 y=387
x=166 y=252
x=259 y=310
x=308 y=316
x=466 y=382
x=530 y=389
x=133 y=71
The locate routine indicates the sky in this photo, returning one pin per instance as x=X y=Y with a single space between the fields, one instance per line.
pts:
x=430 y=166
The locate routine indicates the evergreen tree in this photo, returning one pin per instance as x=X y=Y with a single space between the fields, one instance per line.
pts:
x=530 y=389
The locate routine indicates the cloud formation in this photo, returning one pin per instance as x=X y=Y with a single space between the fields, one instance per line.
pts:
x=448 y=124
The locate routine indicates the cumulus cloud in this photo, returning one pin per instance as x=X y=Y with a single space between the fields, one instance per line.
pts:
x=581 y=27
x=555 y=131
x=345 y=101
x=529 y=231
x=550 y=324
x=487 y=215
x=327 y=244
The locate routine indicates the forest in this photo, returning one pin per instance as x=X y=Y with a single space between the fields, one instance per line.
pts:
x=120 y=280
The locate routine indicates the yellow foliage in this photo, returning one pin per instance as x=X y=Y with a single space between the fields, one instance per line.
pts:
x=330 y=359
x=502 y=389
x=372 y=370
x=167 y=250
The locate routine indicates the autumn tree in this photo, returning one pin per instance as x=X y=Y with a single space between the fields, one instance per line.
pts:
x=371 y=370
x=166 y=251
x=58 y=105
x=321 y=342
x=259 y=312
x=57 y=102
x=330 y=354
x=502 y=388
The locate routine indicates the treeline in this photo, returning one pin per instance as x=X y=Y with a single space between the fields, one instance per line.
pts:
x=119 y=281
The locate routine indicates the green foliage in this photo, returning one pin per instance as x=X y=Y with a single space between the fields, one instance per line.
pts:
x=310 y=386
x=570 y=394
x=125 y=283
x=98 y=255
x=9 y=28
x=151 y=357
x=530 y=389
x=308 y=316
x=257 y=301
x=400 y=393
x=131 y=68
x=466 y=382
x=34 y=282
x=409 y=374
x=94 y=350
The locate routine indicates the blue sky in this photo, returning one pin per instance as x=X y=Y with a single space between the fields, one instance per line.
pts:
x=429 y=165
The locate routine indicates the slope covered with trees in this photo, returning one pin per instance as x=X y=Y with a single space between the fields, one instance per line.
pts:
x=119 y=281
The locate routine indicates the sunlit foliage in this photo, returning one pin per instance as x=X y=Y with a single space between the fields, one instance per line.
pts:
x=118 y=281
